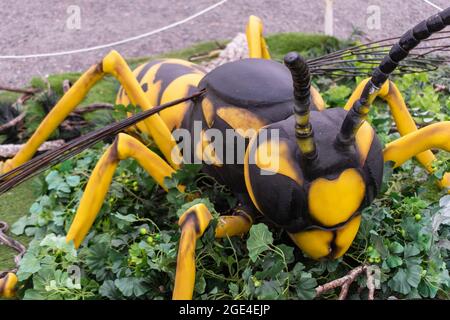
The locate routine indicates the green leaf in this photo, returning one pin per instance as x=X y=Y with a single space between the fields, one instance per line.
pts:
x=396 y=247
x=306 y=288
x=259 y=240
x=54 y=180
x=394 y=261
x=269 y=290
x=109 y=290
x=29 y=265
x=130 y=286
x=200 y=285
x=399 y=282
x=413 y=275
x=73 y=181
x=411 y=250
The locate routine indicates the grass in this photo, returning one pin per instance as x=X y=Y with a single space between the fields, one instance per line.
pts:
x=17 y=202
x=13 y=205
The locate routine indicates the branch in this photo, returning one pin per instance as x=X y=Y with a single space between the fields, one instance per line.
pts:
x=93 y=107
x=12 y=122
x=18 y=90
x=10 y=150
x=347 y=280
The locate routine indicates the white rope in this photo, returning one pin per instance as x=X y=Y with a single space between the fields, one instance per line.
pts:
x=112 y=44
x=433 y=5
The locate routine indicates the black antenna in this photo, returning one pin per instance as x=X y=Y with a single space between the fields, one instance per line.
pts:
x=302 y=95
x=411 y=39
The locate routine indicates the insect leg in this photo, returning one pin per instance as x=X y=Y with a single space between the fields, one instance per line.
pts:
x=402 y=118
x=193 y=224
x=433 y=136
x=257 y=46
x=123 y=147
x=115 y=65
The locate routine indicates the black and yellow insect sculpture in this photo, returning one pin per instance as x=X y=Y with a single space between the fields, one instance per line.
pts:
x=308 y=169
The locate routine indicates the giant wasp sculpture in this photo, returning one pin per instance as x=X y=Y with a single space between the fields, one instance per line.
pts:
x=311 y=173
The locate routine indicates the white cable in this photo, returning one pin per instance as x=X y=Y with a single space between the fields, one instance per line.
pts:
x=170 y=26
x=433 y=5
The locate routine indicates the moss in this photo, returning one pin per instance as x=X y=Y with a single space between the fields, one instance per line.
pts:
x=309 y=45
x=13 y=205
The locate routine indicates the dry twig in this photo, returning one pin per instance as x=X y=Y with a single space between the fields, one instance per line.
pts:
x=347 y=280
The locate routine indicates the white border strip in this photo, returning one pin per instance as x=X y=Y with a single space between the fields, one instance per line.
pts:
x=112 y=44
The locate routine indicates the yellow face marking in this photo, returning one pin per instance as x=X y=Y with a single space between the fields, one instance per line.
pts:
x=277 y=160
x=364 y=139
x=177 y=89
x=334 y=201
x=346 y=235
x=208 y=111
x=242 y=119
x=247 y=174
x=315 y=243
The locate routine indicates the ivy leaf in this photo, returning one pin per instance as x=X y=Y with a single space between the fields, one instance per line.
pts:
x=131 y=286
x=259 y=240
x=413 y=275
x=200 y=285
x=73 y=181
x=269 y=290
x=411 y=250
x=109 y=290
x=396 y=247
x=306 y=288
x=394 y=261
x=399 y=282
x=29 y=265
x=234 y=289
x=54 y=180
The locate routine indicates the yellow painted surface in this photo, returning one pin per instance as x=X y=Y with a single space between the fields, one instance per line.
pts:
x=317 y=99
x=248 y=184
x=346 y=235
x=177 y=89
x=315 y=243
x=433 y=136
x=8 y=286
x=185 y=273
x=93 y=197
x=364 y=138
x=208 y=111
x=257 y=46
x=247 y=122
x=334 y=201
x=230 y=226
x=277 y=158
x=114 y=64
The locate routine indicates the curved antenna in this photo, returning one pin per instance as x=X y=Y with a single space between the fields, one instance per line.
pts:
x=400 y=51
x=301 y=78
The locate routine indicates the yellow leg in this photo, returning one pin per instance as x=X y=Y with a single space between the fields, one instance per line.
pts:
x=112 y=64
x=123 y=147
x=257 y=47
x=402 y=118
x=433 y=136
x=8 y=286
x=193 y=224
